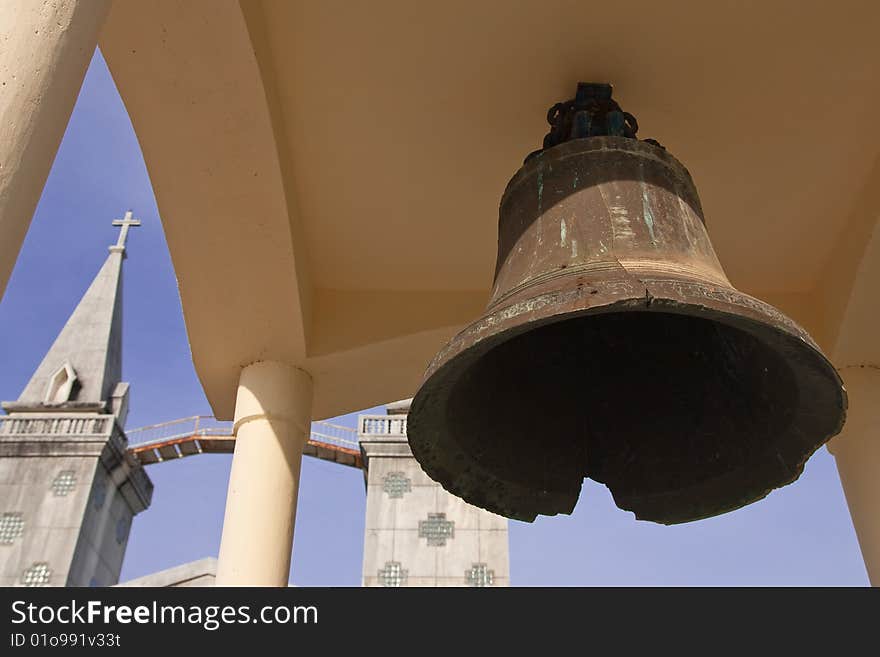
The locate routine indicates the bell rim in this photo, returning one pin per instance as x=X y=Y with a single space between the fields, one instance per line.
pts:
x=721 y=304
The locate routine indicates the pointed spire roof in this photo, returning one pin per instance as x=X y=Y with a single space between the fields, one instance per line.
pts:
x=84 y=364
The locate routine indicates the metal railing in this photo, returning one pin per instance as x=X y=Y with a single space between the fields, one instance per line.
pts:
x=334 y=434
x=205 y=425
x=196 y=425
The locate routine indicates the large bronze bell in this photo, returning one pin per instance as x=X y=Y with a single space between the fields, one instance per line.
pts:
x=615 y=348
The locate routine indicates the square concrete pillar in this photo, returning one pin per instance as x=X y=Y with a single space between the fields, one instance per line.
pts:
x=417 y=534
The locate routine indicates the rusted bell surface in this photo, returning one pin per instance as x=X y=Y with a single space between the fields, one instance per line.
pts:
x=615 y=348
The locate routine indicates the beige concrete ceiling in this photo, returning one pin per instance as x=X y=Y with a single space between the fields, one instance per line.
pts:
x=352 y=155
x=405 y=120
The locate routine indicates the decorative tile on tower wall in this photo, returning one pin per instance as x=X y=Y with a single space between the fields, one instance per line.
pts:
x=396 y=484
x=63 y=505
x=480 y=575
x=392 y=574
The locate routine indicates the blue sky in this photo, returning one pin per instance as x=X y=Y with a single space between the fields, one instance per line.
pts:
x=800 y=535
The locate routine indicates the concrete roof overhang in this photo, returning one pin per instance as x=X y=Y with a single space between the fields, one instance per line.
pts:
x=328 y=173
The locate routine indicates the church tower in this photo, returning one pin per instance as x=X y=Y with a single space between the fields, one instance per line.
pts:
x=416 y=533
x=68 y=487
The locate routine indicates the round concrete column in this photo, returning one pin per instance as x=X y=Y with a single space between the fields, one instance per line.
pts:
x=857 y=452
x=272 y=423
x=45 y=48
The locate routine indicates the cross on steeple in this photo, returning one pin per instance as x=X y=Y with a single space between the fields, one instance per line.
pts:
x=125 y=222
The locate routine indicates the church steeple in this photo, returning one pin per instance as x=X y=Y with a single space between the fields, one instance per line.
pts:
x=63 y=448
x=83 y=368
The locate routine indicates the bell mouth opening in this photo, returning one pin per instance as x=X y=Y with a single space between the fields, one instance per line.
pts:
x=682 y=416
